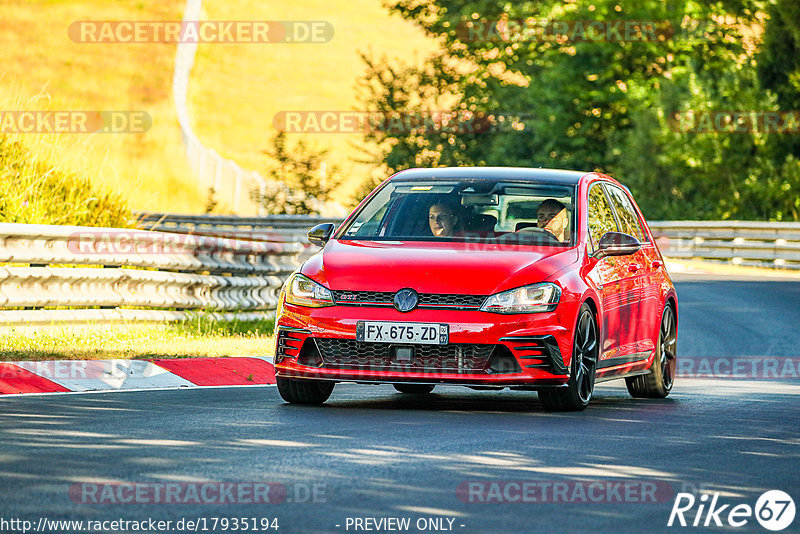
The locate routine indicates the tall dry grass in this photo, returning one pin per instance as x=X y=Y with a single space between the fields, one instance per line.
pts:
x=42 y=68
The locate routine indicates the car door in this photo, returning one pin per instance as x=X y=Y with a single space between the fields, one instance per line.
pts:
x=643 y=287
x=613 y=279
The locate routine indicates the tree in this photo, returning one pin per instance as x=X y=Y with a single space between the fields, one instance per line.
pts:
x=779 y=57
x=779 y=72
x=300 y=182
x=588 y=104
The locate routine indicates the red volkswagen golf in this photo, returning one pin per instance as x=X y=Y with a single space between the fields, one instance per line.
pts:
x=531 y=279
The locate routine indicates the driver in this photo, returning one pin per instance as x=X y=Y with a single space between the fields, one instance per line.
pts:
x=552 y=216
x=443 y=219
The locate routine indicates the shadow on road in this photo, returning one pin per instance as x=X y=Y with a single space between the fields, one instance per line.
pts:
x=380 y=453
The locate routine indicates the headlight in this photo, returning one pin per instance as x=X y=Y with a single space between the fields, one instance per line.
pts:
x=303 y=291
x=527 y=299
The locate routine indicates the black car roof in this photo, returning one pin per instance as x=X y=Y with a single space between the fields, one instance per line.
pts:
x=492 y=173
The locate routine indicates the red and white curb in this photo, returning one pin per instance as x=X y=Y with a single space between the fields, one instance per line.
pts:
x=61 y=376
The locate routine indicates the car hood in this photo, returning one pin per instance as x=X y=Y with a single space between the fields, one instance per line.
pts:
x=434 y=267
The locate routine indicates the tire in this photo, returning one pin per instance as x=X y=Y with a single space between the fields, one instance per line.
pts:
x=658 y=382
x=414 y=389
x=583 y=367
x=304 y=391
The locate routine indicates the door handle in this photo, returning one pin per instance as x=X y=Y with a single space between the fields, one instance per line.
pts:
x=656 y=264
x=633 y=268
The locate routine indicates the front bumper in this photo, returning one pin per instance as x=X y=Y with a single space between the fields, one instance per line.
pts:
x=319 y=343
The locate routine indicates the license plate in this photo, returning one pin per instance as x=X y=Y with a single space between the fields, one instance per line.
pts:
x=387 y=332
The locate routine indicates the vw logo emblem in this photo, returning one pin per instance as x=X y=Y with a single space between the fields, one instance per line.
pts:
x=405 y=300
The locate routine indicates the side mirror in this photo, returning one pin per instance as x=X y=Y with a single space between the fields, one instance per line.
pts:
x=616 y=244
x=320 y=234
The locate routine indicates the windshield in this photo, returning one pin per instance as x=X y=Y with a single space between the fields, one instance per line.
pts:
x=487 y=210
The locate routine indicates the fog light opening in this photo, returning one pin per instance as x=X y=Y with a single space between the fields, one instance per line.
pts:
x=502 y=361
x=309 y=355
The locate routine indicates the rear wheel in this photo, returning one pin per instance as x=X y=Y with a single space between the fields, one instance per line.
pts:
x=578 y=392
x=414 y=389
x=658 y=382
x=304 y=391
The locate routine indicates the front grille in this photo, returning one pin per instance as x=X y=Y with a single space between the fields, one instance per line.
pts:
x=362 y=297
x=452 y=358
x=426 y=300
x=433 y=299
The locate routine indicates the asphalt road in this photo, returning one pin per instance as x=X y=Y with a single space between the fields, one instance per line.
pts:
x=373 y=453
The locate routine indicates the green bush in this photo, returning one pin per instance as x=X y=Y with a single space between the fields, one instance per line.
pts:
x=35 y=191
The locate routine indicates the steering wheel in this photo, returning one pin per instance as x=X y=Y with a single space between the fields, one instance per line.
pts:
x=542 y=231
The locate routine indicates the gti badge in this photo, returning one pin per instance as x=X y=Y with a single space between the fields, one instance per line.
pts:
x=405 y=300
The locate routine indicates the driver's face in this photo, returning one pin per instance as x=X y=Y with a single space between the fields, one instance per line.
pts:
x=441 y=220
x=547 y=214
x=552 y=219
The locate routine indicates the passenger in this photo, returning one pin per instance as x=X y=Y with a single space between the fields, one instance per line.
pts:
x=444 y=220
x=552 y=216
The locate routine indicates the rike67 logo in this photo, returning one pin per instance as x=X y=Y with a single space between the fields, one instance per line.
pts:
x=774 y=510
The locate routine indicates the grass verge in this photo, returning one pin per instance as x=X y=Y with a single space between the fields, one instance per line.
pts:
x=196 y=337
x=34 y=191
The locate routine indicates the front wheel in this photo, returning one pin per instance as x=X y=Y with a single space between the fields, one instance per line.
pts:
x=414 y=389
x=658 y=382
x=304 y=391
x=580 y=387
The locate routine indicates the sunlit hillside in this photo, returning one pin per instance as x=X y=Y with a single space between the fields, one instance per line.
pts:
x=42 y=68
x=235 y=89
x=238 y=88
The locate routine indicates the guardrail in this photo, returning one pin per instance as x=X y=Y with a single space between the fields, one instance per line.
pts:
x=135 y=274
x=281 y=228
x=79 y=274
x=770 y=244
x=762 y=244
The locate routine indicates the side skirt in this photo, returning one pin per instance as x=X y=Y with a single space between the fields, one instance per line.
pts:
x=613 y=376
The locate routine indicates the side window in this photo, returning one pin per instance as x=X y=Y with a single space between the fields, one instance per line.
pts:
x=628 y=221
x=601 y=219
